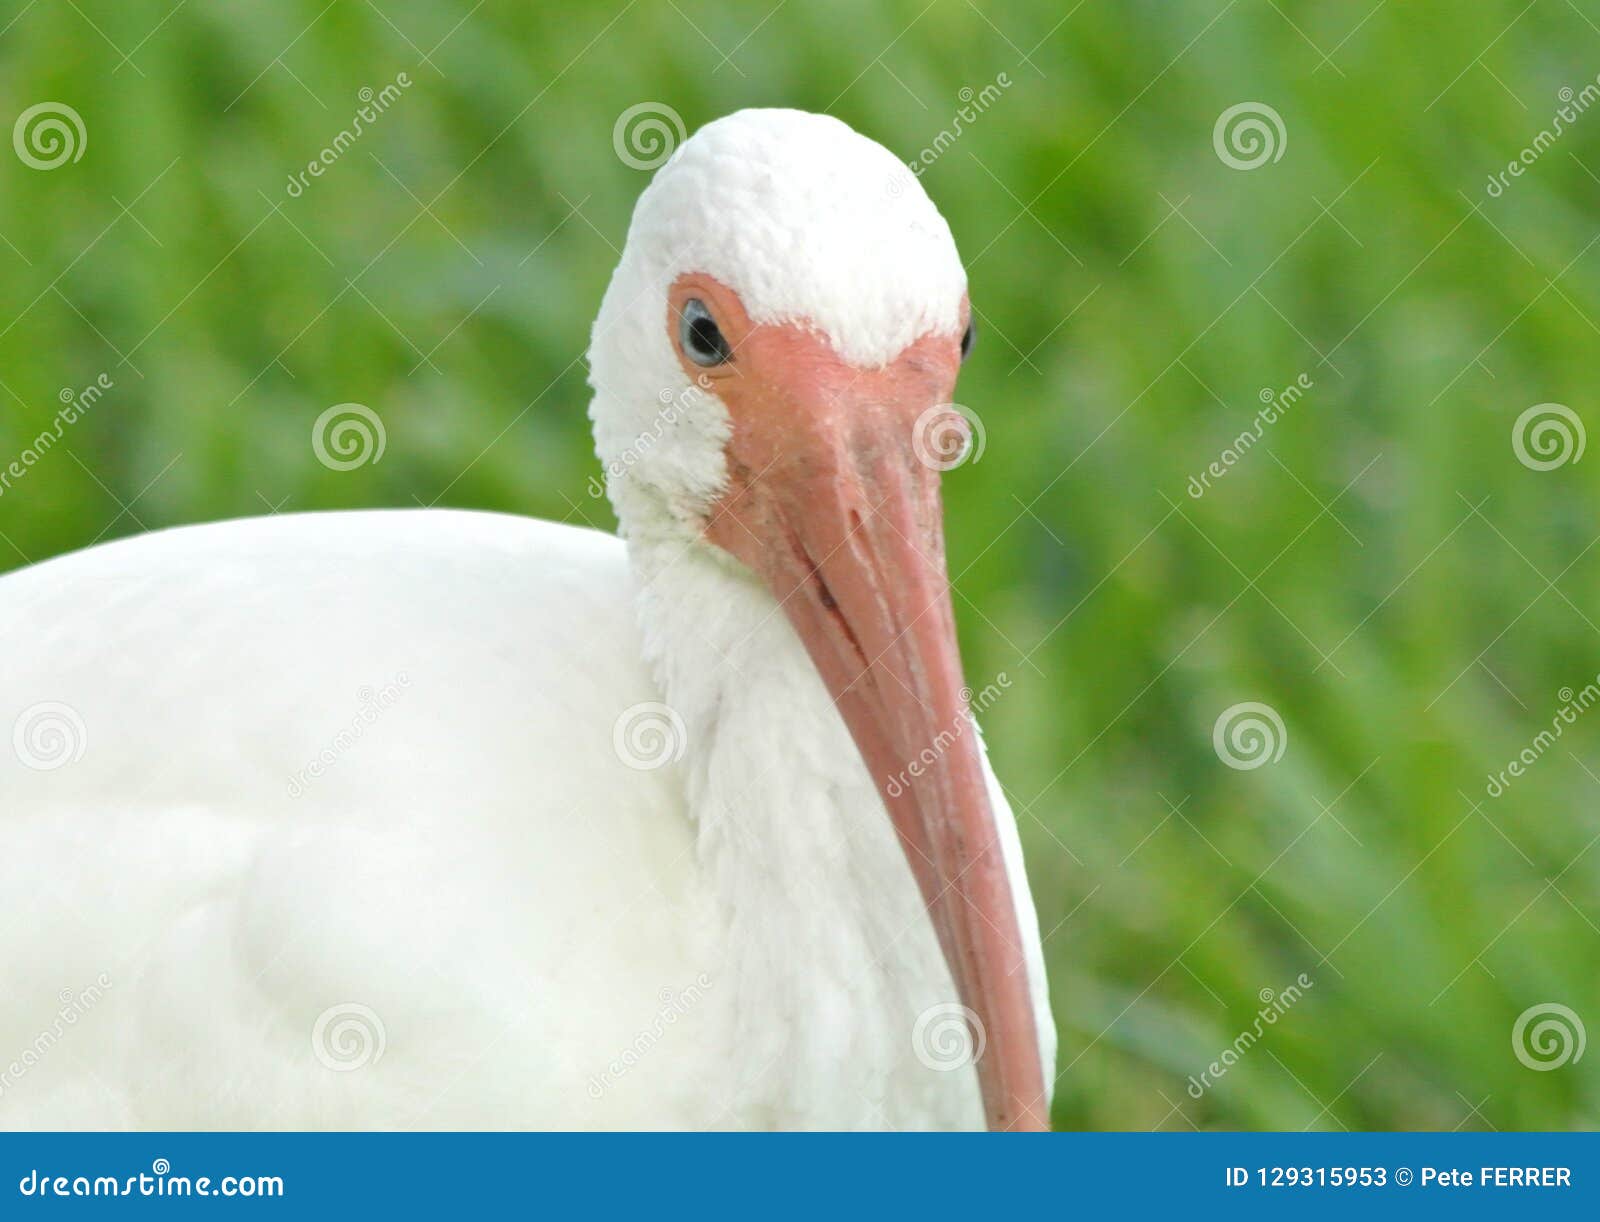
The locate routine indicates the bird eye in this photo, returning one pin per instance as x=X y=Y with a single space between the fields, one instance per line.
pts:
x=699 y=336
x=968 y=338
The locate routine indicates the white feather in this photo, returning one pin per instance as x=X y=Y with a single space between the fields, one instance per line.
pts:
x=350 y=841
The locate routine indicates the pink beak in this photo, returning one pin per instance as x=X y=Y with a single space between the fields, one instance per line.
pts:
x=832 y=508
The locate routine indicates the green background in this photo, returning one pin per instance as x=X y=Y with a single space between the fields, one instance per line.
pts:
x=1380 y=569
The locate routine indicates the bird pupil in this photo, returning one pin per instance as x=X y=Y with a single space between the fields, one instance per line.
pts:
x=706 y=336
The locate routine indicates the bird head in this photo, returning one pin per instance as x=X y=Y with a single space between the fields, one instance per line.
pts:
x=775 y=363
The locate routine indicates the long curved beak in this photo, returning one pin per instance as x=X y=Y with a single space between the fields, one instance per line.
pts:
x=845 y=526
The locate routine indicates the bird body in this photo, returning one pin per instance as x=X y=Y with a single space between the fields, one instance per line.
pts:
x=445 y=819
x=371 y=761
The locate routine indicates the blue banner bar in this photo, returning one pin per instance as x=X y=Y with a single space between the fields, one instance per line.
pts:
x=765 y=1176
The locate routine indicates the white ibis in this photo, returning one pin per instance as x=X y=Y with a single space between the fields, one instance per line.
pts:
x=441 y=819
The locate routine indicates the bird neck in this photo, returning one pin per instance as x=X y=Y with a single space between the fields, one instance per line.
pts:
x=826 y=926
x=761 y=732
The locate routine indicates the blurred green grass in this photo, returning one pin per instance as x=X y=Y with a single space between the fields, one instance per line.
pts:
x=1381 y=570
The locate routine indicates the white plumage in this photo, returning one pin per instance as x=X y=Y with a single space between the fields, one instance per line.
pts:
x=354 y=820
